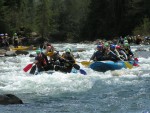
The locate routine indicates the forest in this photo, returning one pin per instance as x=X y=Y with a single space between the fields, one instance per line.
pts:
x=75 y=20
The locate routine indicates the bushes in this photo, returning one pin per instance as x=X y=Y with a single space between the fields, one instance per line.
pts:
x=144 y=28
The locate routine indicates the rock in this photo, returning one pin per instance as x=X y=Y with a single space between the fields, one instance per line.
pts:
x=2 y=55
x=21 y=52
x=9 y=99
x=140 y=49
x=2 y=51
x=32 y=55
x=10 y=53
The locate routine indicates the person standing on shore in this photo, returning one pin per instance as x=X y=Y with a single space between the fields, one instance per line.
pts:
x=15 y=40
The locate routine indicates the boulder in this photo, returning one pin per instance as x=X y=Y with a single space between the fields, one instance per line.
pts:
x=9 y=99
x=10 y=53
x=2 y=51
x=19 y=52
x=32 y=55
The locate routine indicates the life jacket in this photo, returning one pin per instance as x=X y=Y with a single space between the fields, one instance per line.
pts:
x=66 y=56
x=41 y=60
x=15 y=38
x=50 y=50
x=70 y=58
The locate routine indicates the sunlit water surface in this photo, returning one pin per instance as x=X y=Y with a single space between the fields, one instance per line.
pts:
x=122 y=91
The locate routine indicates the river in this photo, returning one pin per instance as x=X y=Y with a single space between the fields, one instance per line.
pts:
x=122 y=91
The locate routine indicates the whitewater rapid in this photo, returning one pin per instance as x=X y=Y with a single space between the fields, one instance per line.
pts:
x=14 y=80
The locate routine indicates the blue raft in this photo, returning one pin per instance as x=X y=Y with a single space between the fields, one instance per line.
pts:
x=103 y=66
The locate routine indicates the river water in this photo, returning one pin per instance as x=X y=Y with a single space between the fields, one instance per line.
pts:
x=122 y=91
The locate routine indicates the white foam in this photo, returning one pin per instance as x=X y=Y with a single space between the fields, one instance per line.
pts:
x=13 y=79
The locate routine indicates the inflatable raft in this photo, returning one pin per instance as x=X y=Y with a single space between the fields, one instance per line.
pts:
x=103 y=66
x=21 y=48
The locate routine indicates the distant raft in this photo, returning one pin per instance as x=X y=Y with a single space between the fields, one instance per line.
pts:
x=103 y=66
x=21 y=48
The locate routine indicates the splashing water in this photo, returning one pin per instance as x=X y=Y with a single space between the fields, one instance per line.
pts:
x=117 y=91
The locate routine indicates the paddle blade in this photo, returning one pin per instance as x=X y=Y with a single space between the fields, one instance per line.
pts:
x=27 y=67
x=86 y=63
x=83 y=72
x=128 y=65
x=76 y=66
x=137 y=65
x=50 y=53
x=33 y=69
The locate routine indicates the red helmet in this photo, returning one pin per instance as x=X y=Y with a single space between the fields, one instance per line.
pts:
x=118 y=47
x=136 y=59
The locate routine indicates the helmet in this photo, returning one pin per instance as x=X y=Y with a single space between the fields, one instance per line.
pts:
x=125 y=41
x=99 y=46
x=117 y=47
x=15 y=34
x=112 y=46
x=38 y=51
x=125 y=38
x=68 y=50
x=106 y=44
x=2 y=34
x=126 y=44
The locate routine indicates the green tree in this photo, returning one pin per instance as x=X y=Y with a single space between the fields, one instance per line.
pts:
x=68 y=18
x=143 y=28
x=2 y=18
x=43 y=17
x=12 y=9
x=95 y=25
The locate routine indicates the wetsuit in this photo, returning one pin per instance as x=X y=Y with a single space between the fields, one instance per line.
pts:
x=66 y=63
x=41 y=64
x=98 y=56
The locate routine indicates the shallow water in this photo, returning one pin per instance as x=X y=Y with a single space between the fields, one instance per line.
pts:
x=125 y=90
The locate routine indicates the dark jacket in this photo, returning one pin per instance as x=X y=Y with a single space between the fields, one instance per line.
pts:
x=112 y=56
x=41 y=62
x=66 y=63
x=98 y=56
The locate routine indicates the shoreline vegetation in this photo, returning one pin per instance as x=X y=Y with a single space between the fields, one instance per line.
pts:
x=74 y=21
x=36 y=41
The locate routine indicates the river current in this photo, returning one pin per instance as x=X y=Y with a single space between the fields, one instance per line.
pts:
x=121 y=91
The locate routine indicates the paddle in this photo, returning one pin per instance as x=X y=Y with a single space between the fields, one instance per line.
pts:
x=27 y=67
x=76 y=66
x=33 y=69
x=127 y=64
x=86 y=63
x=83 y=72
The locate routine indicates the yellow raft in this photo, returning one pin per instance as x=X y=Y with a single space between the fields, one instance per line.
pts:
x=21 y=48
